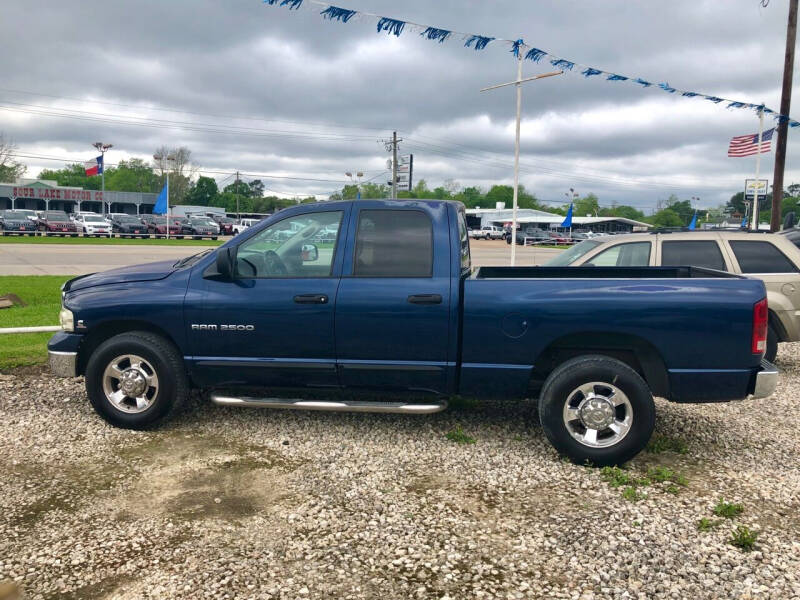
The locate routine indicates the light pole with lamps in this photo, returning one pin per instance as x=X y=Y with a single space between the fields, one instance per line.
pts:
x=355 y=177
x=103 y=148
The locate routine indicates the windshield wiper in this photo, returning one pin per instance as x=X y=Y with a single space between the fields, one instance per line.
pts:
x=191 y=259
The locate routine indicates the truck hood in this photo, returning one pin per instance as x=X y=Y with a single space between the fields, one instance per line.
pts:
x=146 y=272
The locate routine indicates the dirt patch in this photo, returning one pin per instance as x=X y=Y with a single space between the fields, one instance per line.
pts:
x=196 y=477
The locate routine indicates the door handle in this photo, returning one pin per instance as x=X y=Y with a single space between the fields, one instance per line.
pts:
x=425 y=299
x=311 y=299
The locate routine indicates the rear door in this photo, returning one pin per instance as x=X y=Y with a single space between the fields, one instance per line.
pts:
x=393 y=304
x=706 y=253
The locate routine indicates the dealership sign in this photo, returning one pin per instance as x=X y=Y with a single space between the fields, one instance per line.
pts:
x=41 y=193
x=750 y=188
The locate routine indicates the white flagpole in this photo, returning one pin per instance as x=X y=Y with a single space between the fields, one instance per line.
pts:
x=758 y=169
x=516 y=162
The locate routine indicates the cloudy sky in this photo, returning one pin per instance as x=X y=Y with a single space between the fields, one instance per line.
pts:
x=296 y=100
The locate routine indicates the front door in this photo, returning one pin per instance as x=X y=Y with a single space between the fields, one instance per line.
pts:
x=273 y=324
x=393 y=306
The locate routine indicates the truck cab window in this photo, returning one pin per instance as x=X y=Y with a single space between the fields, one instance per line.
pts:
x=299 y=246
x=393 y=243
x=694 y=253
x=463 y=236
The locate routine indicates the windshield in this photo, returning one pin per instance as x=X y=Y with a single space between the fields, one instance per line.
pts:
x=11 y=214
x=128 y=219
x=93 y=219
x=568 y=257
x=27 y=212
x=202 y=222
x=56 y=217
x=190 y=260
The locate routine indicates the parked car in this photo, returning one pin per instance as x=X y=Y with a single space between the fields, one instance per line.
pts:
x=148 y=219
x=157 y=226
x=200 y=227
x=395 y=309
x=13 y=222
x=91 y=224
x=531 y=234
x=29 y=214
x=475 y=234
x=225 y=225
x=56 y=222
x=243 y=225
x=772 y=258
x=128 y=226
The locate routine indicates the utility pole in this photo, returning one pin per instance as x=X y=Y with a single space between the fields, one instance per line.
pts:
x=236 y=187
x=391 y=146
x=394 y=165
x=783 y=124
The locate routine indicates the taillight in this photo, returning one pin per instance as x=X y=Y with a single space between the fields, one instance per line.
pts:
x=760 y=323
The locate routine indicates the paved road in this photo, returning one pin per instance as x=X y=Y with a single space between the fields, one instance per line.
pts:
x=77 y=259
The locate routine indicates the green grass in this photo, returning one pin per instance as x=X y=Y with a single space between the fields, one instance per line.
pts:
x=42 y=293
x=107 y=241
x=631 y=494
x=743 y=538
x=706 y=524
x=728 y=510
x=665 y=443
x=458 y=436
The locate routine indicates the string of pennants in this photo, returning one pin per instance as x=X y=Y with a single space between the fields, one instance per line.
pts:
x=516 y=48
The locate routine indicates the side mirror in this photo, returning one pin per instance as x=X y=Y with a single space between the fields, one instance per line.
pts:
x=309 y=253
x=226 y=262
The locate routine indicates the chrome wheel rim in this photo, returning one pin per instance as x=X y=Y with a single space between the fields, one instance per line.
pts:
x=598 y=414
x=130 y=383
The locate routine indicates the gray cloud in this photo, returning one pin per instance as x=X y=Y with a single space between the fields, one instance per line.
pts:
x=319 y=95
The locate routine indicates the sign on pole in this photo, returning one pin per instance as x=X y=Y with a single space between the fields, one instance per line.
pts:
x=750 y=188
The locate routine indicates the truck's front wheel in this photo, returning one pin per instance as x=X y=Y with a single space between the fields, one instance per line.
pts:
x=136 y=379
x=597 y=409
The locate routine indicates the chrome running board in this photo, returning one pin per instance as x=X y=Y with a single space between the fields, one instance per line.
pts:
x=371 y=407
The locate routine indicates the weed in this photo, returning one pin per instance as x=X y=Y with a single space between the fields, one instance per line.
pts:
x=673 y=489
x=458 y=436
x=728 y=510
x=660 y=474
x=631 y=494
x=666 y=443
x=706 y=524
x=744 y=538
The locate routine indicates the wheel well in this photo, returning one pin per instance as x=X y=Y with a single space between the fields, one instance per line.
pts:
x=108 y=330
x=636 y=352
x=776 y=324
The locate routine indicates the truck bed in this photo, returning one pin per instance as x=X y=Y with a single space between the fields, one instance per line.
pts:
x=598 y=273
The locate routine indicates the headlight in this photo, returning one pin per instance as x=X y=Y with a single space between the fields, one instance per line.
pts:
x=67 y=319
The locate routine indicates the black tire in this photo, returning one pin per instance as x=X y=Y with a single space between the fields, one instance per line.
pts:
x=167 y=364
x=772 y=344
x=581 y=370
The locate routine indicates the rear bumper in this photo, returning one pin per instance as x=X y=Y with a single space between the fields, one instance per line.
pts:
x=766 y=380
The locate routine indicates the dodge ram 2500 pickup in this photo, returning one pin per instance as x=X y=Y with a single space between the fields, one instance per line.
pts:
x=380 y=296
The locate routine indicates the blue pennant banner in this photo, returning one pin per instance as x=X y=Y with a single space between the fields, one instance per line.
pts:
x=518 y=49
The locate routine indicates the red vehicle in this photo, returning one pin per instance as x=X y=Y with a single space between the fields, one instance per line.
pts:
x=158 y=226
x=56 y=222
x=225 y=225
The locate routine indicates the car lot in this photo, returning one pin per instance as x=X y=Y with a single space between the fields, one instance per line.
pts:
x=69 y=259
x=273 y=504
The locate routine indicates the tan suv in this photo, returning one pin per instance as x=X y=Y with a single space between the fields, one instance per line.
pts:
x=772 y=258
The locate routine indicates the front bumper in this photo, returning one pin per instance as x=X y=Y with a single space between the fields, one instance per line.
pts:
x=63 y=364
x=62 y=352
x=766 y=380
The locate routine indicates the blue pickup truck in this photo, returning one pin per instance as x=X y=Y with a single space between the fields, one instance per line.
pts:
x=340 y=303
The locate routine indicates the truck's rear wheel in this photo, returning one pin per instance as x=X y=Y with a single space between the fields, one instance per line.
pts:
x=136 y=379
x=772 y=344
x=597 y=409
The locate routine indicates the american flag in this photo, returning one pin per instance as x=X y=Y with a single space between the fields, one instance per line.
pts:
x=747 y=145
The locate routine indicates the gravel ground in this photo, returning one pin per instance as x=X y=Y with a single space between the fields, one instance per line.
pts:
x=270 y=504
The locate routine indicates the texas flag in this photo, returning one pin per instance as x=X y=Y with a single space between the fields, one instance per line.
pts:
x=94 y=166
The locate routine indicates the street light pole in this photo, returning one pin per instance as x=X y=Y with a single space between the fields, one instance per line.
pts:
x=518 y=82
x=103 y=148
